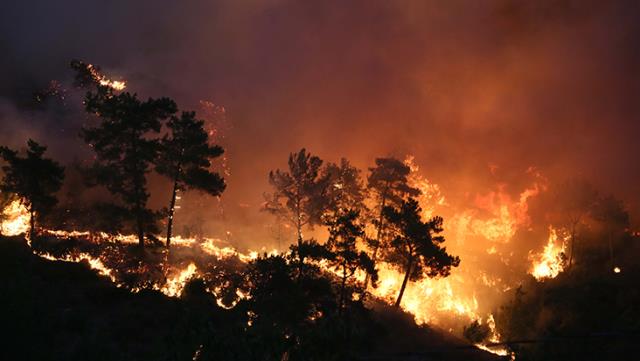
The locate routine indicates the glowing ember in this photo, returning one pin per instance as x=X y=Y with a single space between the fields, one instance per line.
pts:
x=550 y=262
x=15 y=220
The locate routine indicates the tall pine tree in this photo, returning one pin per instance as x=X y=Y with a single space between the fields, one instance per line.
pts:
x=123 y=146
x=344 y=257
x=388 y=184
x=415 y=245
x=185 y=158
x=299 y=195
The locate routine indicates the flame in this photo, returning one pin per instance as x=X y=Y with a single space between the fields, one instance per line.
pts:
x=426 y=299
x=493 y=339
x=550 y=262
x=489 y=220
x=104 y=81
x=94 y=263
x=15 y=219
x=430 y=193
x=175 y=285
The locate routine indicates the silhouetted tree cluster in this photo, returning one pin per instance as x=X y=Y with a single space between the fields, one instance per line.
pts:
x=594 y=222
x=310 y=194
x=305 y=304
x=127 y=147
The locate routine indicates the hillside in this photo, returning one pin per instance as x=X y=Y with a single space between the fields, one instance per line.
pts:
x=55 y=310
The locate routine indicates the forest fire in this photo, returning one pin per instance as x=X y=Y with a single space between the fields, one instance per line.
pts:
x=428 y=300
x=550 y=262
x=462 y=210
x=468 y=295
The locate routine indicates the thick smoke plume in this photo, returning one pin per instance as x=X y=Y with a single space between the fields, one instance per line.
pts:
x=478 y=92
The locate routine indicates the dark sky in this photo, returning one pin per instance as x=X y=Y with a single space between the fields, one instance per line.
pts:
x=462 y=85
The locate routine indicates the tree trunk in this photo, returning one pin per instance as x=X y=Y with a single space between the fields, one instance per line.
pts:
x=613 y=264
x=342 y=287
x=32 y=223
x=404 y=284
x=374 y=256
x=172 y=206
x=138 y=176
x=140 y=229
x=298 y=221
x=574 y=227
x=572 y=246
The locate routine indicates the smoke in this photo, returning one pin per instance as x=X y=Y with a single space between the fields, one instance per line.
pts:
x=478 y=92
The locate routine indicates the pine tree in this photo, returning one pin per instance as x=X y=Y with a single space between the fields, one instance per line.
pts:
x=185 y=158
x=123 y=146
x=416 y=246
x=345 y=190
x=33 y=178
x=299 y=195
x=345 y=230
x=388 y=184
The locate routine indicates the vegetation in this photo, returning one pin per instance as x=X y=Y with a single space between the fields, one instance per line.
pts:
x=388 y=182
x=299 y=194
x=65 y=311
x=185 y=158
x=415 y=245
x=124 y=152
x=33 y=178
x=304 y=304
x=590 y=311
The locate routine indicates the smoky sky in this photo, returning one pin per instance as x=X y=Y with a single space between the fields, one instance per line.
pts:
x=477 y=91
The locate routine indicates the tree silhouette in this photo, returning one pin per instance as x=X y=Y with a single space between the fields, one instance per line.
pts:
x=415 y=246
x=345 y=191
x=389 y=186
x=283 y=304
x=344 y=256
x=614 y=222
x=185 y=158
x=124 y=150
x=573 y=202
x=299 y=195
x=33 y=178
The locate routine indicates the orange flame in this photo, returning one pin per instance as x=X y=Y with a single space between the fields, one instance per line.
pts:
x=550 y=262
x=15 y=219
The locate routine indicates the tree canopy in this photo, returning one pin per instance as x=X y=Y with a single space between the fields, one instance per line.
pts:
x=185 y=158
x=33 y=178
x=124 y=150
x=416 y=246
x=299 y=194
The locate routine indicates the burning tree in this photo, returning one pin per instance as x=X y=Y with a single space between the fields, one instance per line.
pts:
x=124 y=151
x=33 y=178
x=415 y=245
x=388 y=183
x=185 y=158
x=300 y=194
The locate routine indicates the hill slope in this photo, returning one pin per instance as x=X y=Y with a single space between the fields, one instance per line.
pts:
x=65 y=311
